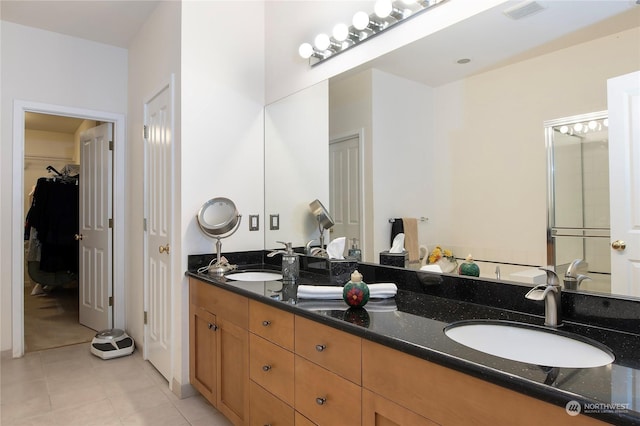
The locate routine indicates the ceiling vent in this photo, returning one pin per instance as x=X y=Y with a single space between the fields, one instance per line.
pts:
x=523 y=9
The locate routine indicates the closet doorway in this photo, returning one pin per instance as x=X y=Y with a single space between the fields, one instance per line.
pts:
x=51 y=173
x=49 y=317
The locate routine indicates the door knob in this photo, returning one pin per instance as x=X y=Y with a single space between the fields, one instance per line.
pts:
x=619 y=245
x=78 y=237
x=164 y=249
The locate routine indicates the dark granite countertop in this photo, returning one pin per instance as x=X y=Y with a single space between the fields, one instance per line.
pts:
x=414 y=322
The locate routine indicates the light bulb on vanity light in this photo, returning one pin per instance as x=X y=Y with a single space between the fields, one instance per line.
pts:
x=340 y=32
x=383 y=8
x=305 y=50
x=322 y=42
x=361 y=20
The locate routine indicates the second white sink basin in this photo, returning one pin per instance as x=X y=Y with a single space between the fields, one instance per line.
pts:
x=254 y=276
x=530 y=344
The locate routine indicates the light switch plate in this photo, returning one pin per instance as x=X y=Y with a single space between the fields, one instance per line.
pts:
x=274 y=222
x=254 y=222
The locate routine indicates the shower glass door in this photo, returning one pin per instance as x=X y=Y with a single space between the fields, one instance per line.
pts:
x=578 y=197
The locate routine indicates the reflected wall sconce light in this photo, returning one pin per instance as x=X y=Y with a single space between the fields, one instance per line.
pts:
x=386 y=14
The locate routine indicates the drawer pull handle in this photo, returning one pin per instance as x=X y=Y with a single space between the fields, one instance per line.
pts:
x=266 y=323
x=212 y=326
x=321 y=348
x=321 y=401
x=266 y=368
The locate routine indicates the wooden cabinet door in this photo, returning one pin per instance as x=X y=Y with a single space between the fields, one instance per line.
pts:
x=203 y=352
x=233 y=371
x=379 y=411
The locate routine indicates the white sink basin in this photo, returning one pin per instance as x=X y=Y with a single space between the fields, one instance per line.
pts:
x=530 y=344
x=254 y=276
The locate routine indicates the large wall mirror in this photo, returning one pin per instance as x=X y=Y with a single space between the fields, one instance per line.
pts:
x=462 y=147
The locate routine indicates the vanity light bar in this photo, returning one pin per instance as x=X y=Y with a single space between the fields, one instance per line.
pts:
x=387 y=14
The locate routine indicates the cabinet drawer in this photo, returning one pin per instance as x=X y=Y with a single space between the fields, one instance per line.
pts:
x=379 y=411
x=324 y=397
x=271 y=367
x=303 y=421
x=266 y=409
x=271 y=323
x=433 y=391
x=223 y=303
x=333 y=349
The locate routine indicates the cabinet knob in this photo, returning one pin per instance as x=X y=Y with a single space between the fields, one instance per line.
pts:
x=266 y=323
x=212 y=326
x=321 y=401
x=266 y=368
x=163 y=249
x=78 y=237
x=320 y=348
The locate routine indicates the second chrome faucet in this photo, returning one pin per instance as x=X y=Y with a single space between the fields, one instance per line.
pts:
x=551 y=294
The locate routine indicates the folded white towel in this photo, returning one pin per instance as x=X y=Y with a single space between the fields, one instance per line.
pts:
x=386 y=305
x=376 y=291
x=431 y=268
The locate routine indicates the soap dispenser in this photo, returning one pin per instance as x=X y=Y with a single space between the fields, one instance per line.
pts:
x=290 y=262
x=354 y=251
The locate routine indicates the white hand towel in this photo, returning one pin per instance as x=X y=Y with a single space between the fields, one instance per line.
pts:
x=386 y=305
x=376 y=291
x=431 y=268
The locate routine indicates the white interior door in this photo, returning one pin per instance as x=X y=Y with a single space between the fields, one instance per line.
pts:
x=95 y=233
x=158 y=212
x=344 y=187
x=624 y=182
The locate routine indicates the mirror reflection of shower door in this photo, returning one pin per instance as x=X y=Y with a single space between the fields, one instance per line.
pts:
x=579 y=223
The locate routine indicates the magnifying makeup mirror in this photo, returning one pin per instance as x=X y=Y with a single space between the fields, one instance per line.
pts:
x=219 y=218
x=325 y=221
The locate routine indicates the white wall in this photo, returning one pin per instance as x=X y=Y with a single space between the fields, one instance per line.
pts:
x=403 y=145
x=222 y=126
x=490 y=133
x=296 y=158
x=154 y=55
x=45 y=67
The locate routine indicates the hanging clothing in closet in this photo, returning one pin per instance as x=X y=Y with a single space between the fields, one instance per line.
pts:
x=54 y=217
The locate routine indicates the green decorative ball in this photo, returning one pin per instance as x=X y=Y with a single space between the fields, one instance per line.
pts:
x=469 y=268
x=356 y=292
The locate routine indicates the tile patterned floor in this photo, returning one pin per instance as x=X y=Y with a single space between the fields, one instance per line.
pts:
x=68 y=386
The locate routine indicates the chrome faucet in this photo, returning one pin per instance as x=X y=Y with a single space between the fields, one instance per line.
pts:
x=550 y=293
x=572 y=279
x=307 y=247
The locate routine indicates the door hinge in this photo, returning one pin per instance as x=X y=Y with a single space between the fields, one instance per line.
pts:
x=110 y=223
x=145 y=317
x=144 y=224
x=110 y=300
x=110 y=145
x=146 y=131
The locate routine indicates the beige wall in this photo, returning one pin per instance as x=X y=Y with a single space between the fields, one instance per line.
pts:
x=492 y=201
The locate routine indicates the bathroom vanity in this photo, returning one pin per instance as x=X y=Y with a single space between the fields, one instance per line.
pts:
x=261 y=356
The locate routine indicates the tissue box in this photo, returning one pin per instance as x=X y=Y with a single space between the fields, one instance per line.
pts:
x=529 y=276
x=394 y=259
